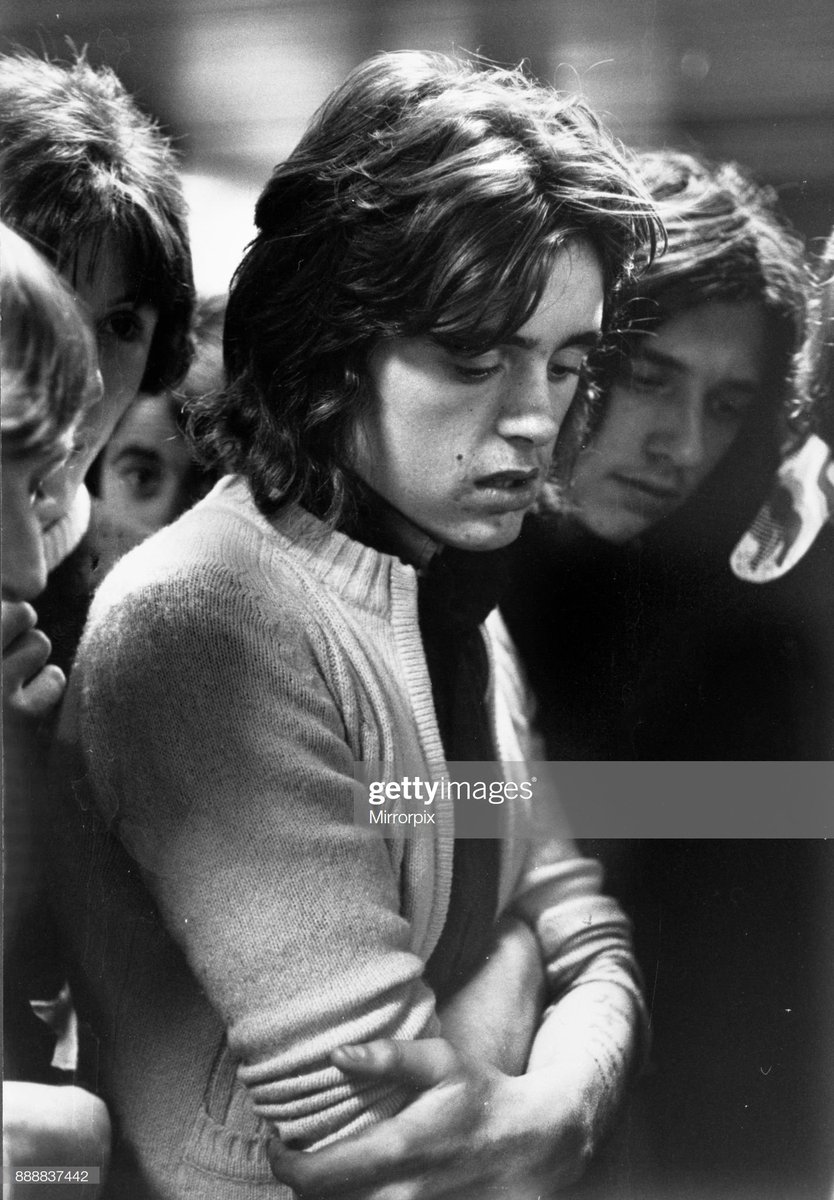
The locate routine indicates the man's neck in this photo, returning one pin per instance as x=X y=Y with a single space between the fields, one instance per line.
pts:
x=379 y=525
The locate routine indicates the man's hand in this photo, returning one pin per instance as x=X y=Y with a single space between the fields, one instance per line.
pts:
x=31 y=686
x=469 y=1134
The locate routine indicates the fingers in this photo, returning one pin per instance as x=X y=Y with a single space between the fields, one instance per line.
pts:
x=17 y=618
x=423 y=1064
x=41 y=694
x=340 y=1170
x=22 y=660
x=382 y=1153
x=31 y=686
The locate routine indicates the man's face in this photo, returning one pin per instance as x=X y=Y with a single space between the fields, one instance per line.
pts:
x=671 y=417
x=145 y=467
x=461 y=444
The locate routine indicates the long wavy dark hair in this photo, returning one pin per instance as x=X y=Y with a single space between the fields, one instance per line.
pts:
x=429 y=196
x=725 y=240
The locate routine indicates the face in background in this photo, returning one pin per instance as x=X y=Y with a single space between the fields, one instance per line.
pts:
x=671 y=417
x=124 y=330
x=461 y=443
x=146 y=467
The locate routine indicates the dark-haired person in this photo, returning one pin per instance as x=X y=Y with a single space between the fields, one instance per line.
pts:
x=88 y=179
x=91 y=183
x=147 y=474
x=403 y=339
x=628 y=587
x=643 y=644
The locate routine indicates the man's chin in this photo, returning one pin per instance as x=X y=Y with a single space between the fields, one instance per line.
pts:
x=618 y=528
x=488 y=536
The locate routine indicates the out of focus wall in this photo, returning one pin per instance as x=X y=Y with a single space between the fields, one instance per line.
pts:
x=236 y=80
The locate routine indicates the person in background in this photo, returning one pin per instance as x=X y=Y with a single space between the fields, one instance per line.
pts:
x=662 y=652
x=147 y=474
x=643 y=644
x=91 y=181
x=403 y=339
x=48 y=379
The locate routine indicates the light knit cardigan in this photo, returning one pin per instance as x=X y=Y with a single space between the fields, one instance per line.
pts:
x=230 y=924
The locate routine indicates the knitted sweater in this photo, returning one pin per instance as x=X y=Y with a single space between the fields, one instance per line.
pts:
x=230 y=923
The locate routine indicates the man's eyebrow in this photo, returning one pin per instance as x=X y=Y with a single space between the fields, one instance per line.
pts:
x=658 y=358
x=587 y=337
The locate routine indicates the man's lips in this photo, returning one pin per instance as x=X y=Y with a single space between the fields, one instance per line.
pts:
x=508 y=491
x=512 y=480
x=661 y=490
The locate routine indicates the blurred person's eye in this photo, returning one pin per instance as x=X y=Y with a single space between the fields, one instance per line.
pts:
x=730 y=405
x=142 y=478
x=125 y=324
x=42 y=483
x=644 y=378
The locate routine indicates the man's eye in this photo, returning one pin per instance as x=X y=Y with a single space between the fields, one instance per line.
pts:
x=477 y=374
x=730 y=407
x=143 y=482
x=561 y=371
x=645 y=379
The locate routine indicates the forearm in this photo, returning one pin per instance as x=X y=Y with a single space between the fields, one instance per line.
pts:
x=496 y=1013
x=593 y=1035
x=588 y=1048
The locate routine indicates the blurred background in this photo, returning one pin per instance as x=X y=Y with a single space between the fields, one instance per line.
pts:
x=235 y=81
x=739 y=1100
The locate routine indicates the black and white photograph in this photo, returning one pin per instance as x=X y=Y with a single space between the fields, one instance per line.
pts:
x=417 y=599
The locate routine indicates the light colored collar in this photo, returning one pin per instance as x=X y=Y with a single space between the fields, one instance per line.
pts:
x=787 y=524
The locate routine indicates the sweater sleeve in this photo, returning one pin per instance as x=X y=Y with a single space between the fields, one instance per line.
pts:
x=218 y=757
x=584 y=935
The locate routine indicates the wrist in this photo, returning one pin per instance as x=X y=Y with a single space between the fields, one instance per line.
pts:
x=554 y=1116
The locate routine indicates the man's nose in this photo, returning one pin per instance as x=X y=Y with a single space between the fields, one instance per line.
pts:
x=529 y=410
x=679 y=435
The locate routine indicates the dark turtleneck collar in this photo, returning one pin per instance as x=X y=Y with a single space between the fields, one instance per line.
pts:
x=379 y=525
x=456 y=590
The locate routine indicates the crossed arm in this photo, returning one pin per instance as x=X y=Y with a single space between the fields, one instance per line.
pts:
x=508 y=1102
x=512 y=1097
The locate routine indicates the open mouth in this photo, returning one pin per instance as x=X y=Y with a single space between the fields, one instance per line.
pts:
x=508 y=481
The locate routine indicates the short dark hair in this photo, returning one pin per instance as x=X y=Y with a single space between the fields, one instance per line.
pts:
x=429 y=196
x=48 y=369
x=80 y=164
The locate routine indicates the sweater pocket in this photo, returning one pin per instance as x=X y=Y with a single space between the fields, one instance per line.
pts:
x=224 y=1153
